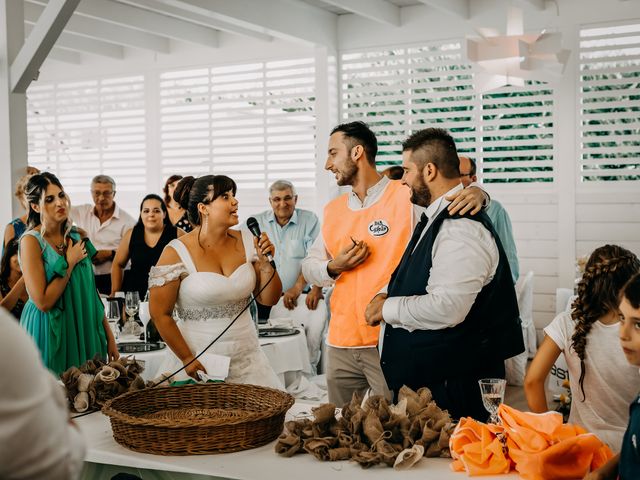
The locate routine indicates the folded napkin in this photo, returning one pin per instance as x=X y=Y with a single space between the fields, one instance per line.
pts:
x=84 y=382
x=539 y=446
x=409 y=457
x=107 y=374
x=542 y=447
x=81 y=402
x=477 y=450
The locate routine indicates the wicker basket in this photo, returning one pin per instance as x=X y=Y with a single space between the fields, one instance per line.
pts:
x=198 y=419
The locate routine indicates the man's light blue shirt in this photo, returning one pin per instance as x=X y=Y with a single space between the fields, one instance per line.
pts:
x=502 y=224
x=292 y=241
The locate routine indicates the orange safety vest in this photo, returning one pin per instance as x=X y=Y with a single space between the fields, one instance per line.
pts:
x=386 y=229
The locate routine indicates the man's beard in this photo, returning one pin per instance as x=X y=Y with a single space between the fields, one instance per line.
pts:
x=348 y=174
x=420 y=193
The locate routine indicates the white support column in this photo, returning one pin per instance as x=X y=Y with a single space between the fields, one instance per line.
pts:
x=566 y=105
x=13 y=110
x=326 y=119
x=152 y=132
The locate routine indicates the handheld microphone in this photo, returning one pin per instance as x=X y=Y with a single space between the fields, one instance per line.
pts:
x=254 y=228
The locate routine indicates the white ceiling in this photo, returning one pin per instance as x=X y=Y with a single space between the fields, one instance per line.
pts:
x=111 y=28
x=338 y=7
x=108 y=28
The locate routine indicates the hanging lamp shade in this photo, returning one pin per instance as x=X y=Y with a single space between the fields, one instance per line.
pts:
x=515 y=57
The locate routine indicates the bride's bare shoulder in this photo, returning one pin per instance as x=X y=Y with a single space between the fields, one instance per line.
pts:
x=169 y=256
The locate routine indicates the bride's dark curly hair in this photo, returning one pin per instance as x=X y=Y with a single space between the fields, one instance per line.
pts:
x=191 y=191
x=608 y=269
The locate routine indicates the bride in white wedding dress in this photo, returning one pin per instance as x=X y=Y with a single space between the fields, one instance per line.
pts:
x=206 y=278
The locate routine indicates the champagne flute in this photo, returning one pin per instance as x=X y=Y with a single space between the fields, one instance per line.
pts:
x=145 y=316
x=112 y=313
x=492 y=390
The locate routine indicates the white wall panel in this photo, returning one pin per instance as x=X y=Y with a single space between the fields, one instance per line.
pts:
x=535 y=222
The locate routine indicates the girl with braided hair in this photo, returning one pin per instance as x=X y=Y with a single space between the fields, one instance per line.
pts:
x=602 y=383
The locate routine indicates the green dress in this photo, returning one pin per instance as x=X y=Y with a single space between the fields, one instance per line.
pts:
x=72 y=331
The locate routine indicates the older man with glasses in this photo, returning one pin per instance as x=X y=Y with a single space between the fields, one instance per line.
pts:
x=293 y=230
x=105 y=224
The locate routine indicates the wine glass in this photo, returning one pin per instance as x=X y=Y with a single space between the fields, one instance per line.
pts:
x=144 y=316
x=492 y=390
x=131 y=305
x=132 y=302
x=112 y=313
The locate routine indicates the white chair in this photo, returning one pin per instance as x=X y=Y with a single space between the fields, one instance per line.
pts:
x=515 y=367
x=564 y=299
x=315 y=324
x=524 y=292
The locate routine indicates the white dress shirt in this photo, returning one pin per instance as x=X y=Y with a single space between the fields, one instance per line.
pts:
x=104 y=236
x=37 y=441
x=464 y=260
x=314 y=267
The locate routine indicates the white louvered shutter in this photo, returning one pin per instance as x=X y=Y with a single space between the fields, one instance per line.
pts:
x=81 y=129
x=609 y=93
x=254 y=122
x=185 y=123
x=516 y=139
x=398 y=91
x=401 y=90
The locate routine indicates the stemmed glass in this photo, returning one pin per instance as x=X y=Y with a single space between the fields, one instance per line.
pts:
x=132 y=303
x=492 y=390
x=144 y=316
x=112 y=313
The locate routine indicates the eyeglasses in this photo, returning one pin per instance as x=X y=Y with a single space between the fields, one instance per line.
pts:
x=288 y=198
x=96 y=193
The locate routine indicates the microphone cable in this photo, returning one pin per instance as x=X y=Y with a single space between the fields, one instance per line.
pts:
x=252 y=300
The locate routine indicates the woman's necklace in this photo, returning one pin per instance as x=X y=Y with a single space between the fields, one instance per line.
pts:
x=58 y=246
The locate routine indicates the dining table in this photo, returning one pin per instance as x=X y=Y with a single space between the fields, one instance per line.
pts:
x=106 y=458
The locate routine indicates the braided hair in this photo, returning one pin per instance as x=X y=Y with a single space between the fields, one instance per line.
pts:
x=608 y=269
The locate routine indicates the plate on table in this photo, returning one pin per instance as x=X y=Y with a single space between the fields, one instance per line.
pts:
x=140 y=347
x=277 y=332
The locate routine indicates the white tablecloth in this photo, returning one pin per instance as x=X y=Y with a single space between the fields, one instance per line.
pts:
x=259 y=463
x=288 y=356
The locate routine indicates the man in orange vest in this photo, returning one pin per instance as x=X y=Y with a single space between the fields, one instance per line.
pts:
x=363 y=236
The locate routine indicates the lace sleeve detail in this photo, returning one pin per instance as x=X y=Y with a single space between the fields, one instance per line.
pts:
x=162 y=274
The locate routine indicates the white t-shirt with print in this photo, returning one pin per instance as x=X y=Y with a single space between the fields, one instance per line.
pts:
x=610 y=382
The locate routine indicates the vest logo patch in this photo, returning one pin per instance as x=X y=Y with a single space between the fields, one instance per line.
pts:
x=378 y=228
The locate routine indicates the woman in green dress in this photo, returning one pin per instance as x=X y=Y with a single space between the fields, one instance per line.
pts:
x=64 y=313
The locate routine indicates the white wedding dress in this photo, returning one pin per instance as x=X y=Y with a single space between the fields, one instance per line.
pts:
x=206 y=304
